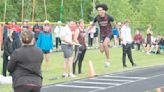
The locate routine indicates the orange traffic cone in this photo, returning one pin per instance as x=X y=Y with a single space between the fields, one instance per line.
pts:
x=158 y=90
x=91 y=69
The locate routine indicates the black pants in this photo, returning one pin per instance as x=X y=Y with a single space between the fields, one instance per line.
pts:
x=138 y=45
x=5 y=62
x=90 y=41
x=127 y=50
x=27 y=89
x=58 y=42
x=132 y=45
x=119 y=41
x=2 y=45
x=79 y=56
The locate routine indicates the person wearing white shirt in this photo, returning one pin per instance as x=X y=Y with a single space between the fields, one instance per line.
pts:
x=57 y=31
x=126 y=43
x=91 y=35
x=67 y=48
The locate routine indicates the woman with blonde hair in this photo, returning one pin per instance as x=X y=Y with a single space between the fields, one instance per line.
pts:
x=149 y=39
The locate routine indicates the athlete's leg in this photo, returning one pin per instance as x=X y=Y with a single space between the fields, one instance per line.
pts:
x=106 y=48
x=101 y=47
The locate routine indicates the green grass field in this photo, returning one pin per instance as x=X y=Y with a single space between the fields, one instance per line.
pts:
x=56 y=65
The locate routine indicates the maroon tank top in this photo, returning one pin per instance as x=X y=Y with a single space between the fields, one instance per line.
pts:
x=105 y=25
x=81 y=38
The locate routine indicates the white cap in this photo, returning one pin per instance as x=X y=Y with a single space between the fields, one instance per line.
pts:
x=59 y=22
x=46 y=22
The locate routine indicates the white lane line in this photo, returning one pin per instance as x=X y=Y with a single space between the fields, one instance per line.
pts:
x=49 y=86
x=84 y=87
x=101 y=83
x=126 y=83
x=111 y=86
x=124 y=77
x=123 y=72
x=101 y=79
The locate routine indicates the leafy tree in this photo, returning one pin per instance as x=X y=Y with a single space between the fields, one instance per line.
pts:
x=140 y=12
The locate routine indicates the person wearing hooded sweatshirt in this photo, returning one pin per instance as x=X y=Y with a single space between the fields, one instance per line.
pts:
x=10 y=44
x=25 y=65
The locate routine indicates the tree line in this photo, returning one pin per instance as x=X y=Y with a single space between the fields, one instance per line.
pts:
x=140 y=12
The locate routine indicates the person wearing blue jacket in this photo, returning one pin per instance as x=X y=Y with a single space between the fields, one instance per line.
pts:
x=45 y=42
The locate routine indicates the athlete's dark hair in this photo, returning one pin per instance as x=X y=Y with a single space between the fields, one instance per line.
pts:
x=104 y=6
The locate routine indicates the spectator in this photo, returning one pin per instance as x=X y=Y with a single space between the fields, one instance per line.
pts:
x=149 y=39
x=96 y=35
x=15 y=26
x=45 y=42
x=5 y=30
x=116 y=34
x=138 y=39
x=5 y=34
x=1 y=37
x=37 y=28
x=91 y=35
x=57 y=31
x=67 y=48
x=119 y=32
x=25 y=66
x=156 y=44
x=26 y=26
x=161 y=45
x=126 y=43
x=10 y=44
x=81 y=49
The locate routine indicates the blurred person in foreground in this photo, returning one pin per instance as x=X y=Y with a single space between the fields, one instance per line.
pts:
x=25 y=65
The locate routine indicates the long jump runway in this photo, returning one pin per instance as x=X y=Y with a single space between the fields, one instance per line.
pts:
x=136 y=80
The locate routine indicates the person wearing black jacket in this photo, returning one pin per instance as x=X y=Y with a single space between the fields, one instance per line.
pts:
x=11 y=43
x=25 y=65
x=37 y=28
